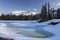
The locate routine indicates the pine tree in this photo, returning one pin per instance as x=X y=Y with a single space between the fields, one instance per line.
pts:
x=53 y=12
x=44 y=12
x=58 y=13
x=49 y=16
x=48 y=8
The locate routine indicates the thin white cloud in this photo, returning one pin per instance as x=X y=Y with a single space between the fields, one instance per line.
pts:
x=58 y=4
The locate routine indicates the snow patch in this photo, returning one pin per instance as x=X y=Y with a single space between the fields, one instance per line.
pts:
x=4 y=29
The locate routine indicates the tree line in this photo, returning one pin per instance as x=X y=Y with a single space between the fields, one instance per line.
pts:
x=20 y=17
x=48 y=13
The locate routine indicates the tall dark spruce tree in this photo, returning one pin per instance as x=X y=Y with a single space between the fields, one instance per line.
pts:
x=58 y=13
x=53 y=16
x=44 y=13
x=49 y=16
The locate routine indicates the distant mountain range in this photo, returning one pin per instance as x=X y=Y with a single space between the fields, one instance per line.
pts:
x=24 y=12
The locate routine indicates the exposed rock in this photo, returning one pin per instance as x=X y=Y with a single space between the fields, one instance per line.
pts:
x=1 y=38
x=53 y=23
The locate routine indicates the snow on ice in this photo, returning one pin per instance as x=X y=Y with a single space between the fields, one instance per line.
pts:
x=30 y=30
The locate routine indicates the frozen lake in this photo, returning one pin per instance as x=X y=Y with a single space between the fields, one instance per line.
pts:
x=30 y=30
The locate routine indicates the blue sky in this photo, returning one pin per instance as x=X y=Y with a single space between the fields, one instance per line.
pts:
x=7 y=6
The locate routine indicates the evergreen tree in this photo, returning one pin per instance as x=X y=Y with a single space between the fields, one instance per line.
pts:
x=58 y=13
x=49 y=16
x=52 y=12
x=48 y=8
x=44 y=12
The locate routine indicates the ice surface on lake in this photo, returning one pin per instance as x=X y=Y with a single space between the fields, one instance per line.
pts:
x=4 y=29
x=30 y=30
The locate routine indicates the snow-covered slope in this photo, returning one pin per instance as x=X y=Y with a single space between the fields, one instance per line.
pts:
x=30 y=30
